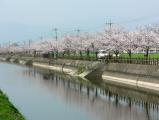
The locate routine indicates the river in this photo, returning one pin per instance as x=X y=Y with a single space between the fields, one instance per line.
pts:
x=47 y=95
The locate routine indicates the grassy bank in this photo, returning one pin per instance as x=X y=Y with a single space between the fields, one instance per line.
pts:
x=91 y=57
x=7 y=110
x=140 y=55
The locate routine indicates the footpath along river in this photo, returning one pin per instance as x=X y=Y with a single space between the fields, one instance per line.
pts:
x=46 y=95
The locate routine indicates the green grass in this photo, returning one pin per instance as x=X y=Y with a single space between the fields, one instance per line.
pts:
x=7 y=110
x=123 y=55
x=92 y=56
x=140 y=55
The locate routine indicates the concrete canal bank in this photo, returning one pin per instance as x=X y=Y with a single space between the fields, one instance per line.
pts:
x=140 y=76
x=71 y=67
x=129 y=75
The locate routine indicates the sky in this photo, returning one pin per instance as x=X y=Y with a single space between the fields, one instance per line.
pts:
x=23 y=20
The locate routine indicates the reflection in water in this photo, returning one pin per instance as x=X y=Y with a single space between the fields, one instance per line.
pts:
x=106 y=102
x=43 y=94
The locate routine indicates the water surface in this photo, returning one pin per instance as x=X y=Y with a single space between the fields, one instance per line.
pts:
x=45 y=95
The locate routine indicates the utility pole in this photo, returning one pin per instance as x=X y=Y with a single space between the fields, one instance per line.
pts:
x=78 y=32
x=110 y=26
x=9 y=46
x=29 y=45
x=55 y=30
x=0 y=48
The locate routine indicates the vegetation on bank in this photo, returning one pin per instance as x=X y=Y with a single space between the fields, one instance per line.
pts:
x=7 y=110
x=141 y=55
x=136 y=58
x=116 y=40
x=29 y=63
x=122 y=55
x=84 y=56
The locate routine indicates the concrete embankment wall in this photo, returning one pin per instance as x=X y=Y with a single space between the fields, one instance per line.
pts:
x=72 y=67
x=67 y=70
x=148 y=70
x=130 y=75
x=141 y=76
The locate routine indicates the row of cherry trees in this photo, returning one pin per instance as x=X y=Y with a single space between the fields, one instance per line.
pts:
x=115 y=39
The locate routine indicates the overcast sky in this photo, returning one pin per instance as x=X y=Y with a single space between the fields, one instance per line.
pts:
x=30 y=19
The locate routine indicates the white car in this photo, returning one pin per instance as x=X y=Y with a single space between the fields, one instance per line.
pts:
x=102 y=54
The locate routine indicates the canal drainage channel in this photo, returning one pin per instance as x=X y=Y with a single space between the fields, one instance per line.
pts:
x=106 y=91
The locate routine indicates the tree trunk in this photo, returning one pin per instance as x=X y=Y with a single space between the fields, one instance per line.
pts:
x=63 y=54
x=87 y=53
x=129 y=53
x=80 y=53
x=96 y=54
x=34 y=53
x=56 y=54
x=68 y=52
x=74 y=53
x=147 y=52
x=116 y=53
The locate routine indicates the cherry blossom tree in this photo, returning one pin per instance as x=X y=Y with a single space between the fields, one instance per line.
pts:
x=148 y=39
x=114 y=39
x=131 y=42
x=69 y=44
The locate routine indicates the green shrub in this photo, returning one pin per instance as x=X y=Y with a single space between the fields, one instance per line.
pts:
x=16 y=60
x=80 y=69
x=8 y=59
x=29 y=63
